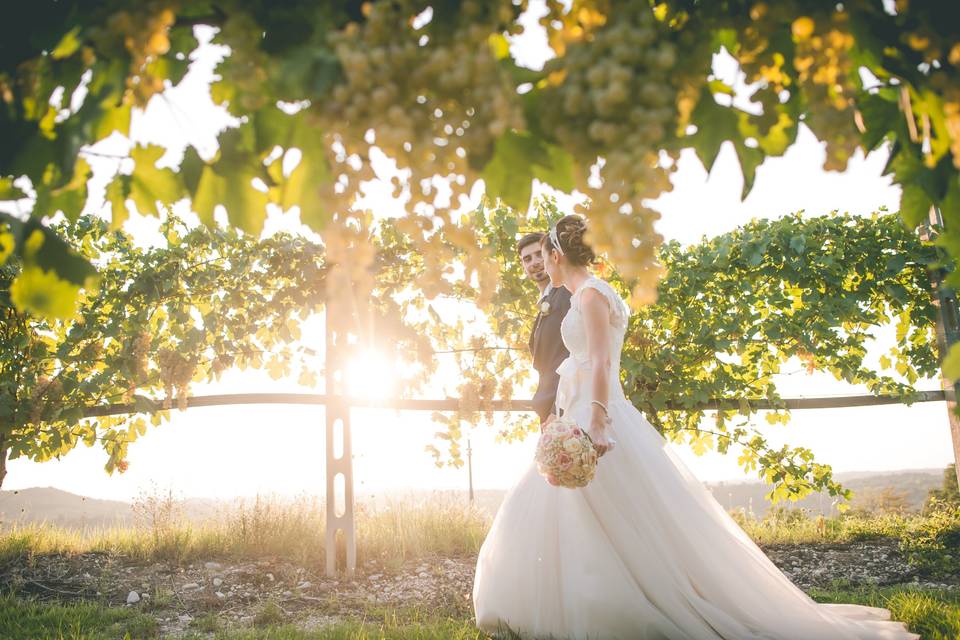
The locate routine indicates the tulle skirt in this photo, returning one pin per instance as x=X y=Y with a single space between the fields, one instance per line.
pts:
x=643 y=552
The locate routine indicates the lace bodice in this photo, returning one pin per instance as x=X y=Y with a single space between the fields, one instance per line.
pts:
x=574 y=335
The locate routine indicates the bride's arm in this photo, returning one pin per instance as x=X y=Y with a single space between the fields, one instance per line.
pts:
x=596 y=320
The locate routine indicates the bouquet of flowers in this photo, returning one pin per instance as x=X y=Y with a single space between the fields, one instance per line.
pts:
x=565 y=454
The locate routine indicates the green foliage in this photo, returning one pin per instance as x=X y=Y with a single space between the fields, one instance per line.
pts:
x=933 y=544
x=949 y=493
x=162 y=318
x=730 y=313
x=734 y=309
x=784 y=525
x=443 y=97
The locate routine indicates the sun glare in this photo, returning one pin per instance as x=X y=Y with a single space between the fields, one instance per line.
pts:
x=371 y=376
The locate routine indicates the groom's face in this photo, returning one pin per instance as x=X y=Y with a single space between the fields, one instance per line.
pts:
x=532 y=260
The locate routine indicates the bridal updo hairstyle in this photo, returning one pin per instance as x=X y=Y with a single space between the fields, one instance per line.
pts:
x=570 y=232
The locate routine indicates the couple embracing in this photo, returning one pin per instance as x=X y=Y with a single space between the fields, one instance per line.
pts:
x=644 y=551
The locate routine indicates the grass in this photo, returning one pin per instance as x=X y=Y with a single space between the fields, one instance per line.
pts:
x=35 y=620
x=795 y=526
x=404 y=531
x=75 y=621
x=293 y=530
x=934 y=614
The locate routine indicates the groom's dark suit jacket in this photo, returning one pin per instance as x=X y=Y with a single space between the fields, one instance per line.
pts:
x=548 y=351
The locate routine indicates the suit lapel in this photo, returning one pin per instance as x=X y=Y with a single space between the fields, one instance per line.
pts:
x=535 y=336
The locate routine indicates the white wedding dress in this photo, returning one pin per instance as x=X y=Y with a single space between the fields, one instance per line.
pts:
x=644 y=551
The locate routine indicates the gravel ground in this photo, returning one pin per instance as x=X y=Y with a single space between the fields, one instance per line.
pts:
x=237 y=592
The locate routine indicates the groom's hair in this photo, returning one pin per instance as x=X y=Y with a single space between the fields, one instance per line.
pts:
x=527 y=240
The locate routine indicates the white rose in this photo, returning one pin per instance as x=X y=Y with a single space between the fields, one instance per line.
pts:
x=544 y=307
x=573 y=445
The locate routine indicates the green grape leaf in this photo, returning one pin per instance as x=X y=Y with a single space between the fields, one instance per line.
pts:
x=880 y=116
x=117 y=193
x=149 y=185
x=519 y=157
x=54 y=254
x=246 y=206
x=914 y=205
x=10 y=192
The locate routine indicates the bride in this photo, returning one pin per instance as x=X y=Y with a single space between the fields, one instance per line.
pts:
x=644 y=551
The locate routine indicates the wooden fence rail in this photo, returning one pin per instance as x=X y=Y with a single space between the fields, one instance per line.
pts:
x=147 y=405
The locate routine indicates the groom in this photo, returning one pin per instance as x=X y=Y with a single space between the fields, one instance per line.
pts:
x=546 y=346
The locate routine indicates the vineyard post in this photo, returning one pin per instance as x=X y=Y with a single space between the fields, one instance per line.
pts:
x=948 y=332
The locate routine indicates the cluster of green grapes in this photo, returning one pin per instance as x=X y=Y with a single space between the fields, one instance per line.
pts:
x=246 y=70
x=144 y=37
x=480 y=382
x=46 y=394
x=943 y=56
x=349 y=256
x=136 y=354
x=615 y=98
x=176 y=373
x=827 y=75
x=762 y=64
x=434 y=98
x=951 y=114
x=429 y=97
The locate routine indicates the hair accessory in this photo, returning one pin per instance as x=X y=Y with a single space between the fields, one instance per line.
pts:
x=554 y=240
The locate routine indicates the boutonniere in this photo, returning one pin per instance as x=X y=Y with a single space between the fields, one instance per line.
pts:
x=544 y=308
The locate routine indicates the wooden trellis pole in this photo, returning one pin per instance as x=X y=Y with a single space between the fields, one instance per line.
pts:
x=948 y=332
x=340 y=516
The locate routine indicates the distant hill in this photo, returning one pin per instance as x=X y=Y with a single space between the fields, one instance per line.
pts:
x=66 y=509
x=60 y=507
x=914 y=485
x=55 y=506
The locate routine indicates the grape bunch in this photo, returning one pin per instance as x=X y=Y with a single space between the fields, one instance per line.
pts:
x=429 y=96
x=951 y=113
x=432 y=96
x=827 y=74
x=942 y=55
x=143 y=34
x=176 y=373
x=616 y=99
x=45 y=395
x=136 y=352
x=245 y=72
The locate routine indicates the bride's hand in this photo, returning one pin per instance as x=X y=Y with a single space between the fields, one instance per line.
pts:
x=599 y=434
x=550 y=418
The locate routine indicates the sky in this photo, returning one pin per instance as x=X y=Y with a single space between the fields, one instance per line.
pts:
x=276 y=449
